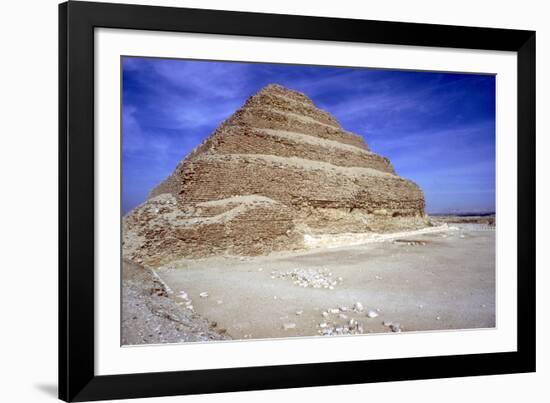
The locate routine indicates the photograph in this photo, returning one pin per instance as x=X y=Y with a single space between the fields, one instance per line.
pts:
x=268 y=201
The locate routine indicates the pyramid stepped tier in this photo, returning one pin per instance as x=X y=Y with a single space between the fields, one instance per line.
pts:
x=295 y=182
x=276 y=171
x=248 y=140
x=163 y=230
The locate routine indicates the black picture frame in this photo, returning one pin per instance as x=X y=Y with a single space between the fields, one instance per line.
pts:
x=77 y=21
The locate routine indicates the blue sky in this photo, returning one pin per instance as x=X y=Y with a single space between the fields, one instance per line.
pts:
x=438 y=129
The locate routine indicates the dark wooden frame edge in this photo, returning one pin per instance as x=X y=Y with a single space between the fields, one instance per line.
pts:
x=77 y=379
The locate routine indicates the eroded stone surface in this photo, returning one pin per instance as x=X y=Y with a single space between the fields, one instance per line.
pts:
x=278 y=170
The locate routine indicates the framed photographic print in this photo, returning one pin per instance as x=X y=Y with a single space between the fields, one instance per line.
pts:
x=257 y=201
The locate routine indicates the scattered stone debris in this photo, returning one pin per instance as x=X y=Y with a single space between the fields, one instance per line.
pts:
x=334 y=328
x=314 y=278
x=152 y=317
x=341 y=320
x=185 y=300
x=395 y=327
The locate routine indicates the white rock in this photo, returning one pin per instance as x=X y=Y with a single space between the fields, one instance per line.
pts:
x=203 y=294
x=438 y=318
x=325 y=314
x=387 y=323
x=299 y=312
x=288 y=326
x=334 y=310
x=358 y=307
x=323 y=325
x=372 y=314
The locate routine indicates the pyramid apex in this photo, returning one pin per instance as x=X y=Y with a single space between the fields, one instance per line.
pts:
x=278 y=89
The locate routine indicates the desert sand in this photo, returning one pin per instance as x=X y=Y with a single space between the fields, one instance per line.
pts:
x=418 y=282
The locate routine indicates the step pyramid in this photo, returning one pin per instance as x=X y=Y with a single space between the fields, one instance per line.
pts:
x=277 y=170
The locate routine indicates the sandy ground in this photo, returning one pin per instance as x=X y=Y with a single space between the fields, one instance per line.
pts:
x=446 y=280
x=150 y=315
